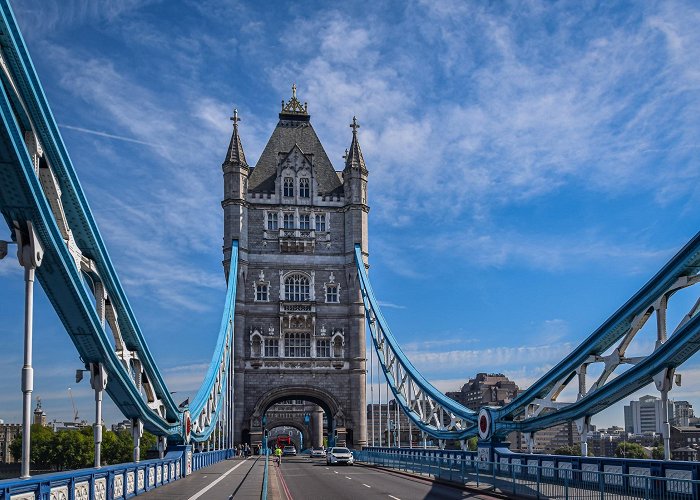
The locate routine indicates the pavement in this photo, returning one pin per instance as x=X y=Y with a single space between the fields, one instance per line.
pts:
x=237 y=477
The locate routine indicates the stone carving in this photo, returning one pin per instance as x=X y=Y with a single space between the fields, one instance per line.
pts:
x=129 y=482
x=118 y=486
x=23 y=496
x=151 y=476
x=159 y=474
x=100 y=489
x=81 y=491
x=57 y=493
x=140 y=479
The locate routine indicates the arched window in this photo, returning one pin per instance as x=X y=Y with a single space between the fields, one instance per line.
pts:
x=332 y=295
x=297 y=345
x=323 y=348
x=255 y=345
x=288 y=186
x=304 y=187
x=296 y=288
x=337 y=344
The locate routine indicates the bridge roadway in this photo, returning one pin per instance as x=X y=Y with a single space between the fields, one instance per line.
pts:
x=301 y=478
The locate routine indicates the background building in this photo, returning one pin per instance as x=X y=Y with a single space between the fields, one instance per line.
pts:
x=493 y=389
x=646 y=415
x=8 y=433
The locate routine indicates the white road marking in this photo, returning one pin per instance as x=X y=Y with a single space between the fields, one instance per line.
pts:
x=347 y=477
x=214 y=483
x=335 y=471
x=366 y=485
x=395 y=498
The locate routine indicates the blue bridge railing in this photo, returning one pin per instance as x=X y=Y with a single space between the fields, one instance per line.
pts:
x=546 y=476
x=119 y=481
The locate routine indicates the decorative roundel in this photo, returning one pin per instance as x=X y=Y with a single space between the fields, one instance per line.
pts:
x=188 y=426
x=484 y=424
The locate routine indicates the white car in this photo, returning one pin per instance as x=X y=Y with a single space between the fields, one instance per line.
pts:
x=338 y=455
x=318 y=453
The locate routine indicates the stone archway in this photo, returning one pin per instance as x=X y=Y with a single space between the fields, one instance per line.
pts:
x=304 y=431
x=329 y=404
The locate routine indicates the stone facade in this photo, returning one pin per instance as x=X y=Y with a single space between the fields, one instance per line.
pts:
x=8 y=433
x=300 y=323
x=486 y=389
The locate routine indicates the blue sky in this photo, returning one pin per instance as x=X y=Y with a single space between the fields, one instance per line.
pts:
x=531 y=165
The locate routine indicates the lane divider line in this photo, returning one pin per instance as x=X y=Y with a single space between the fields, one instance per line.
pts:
x=366 y=485
x=284 y=484
x=395 y=498
x=214 y=483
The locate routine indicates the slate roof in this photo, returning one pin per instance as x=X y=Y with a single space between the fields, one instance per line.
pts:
x=354 y=158
x=235 y=154
x=294 y=128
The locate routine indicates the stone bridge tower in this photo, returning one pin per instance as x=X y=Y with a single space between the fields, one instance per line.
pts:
x=300 y=322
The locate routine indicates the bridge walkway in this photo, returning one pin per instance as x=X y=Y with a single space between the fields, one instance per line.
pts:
x=237 y=477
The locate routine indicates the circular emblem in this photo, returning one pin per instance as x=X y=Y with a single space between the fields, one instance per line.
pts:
x=188 y=426
x=484 y=424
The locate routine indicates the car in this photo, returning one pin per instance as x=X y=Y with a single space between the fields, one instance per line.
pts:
x=338 y=455
x=318 y=453
x=289 y=450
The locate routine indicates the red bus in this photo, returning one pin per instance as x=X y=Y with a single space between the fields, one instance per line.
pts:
x=283 y=440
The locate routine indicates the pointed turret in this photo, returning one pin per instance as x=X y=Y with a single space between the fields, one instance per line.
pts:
x=353 y=157
x=236 y=173
x=355 y=190
x=235 y=154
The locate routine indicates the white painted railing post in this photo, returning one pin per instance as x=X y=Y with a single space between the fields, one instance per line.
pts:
x=30 y=254
x=98 y=381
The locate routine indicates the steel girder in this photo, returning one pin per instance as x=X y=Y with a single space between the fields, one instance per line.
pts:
x=39 y=186
x=428 y=408
x=537 y=407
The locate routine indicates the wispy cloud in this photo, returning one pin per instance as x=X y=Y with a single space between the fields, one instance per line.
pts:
x=472 y=360
x=391 y=306
x=109 y=136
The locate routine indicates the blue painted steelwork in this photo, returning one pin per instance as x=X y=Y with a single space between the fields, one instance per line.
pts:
x=546 y=476
x=429 y=409
x=48 y=194
x=129 y=479
x=680 y=272
x=207 y=458
x=679 y=347
x=263 y=493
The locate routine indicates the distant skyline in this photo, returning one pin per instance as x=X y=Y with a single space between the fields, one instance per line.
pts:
x=532 y=165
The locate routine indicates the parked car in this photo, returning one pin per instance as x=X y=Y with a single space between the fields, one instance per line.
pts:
x=318 y=453
x=337 y=455
x=289 y=450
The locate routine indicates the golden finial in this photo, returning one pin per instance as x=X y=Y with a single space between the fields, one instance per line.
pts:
x=294 y=106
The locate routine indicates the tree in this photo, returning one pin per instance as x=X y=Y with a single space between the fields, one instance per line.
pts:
x=472 y=444
x=41 y=447
x=572 y=451
x=657 y=452
x=631 y=450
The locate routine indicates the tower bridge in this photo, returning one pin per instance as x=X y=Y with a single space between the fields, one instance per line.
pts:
x=298 y=311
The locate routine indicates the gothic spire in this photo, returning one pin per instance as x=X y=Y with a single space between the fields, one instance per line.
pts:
x=353 y=158
x=235 y=154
